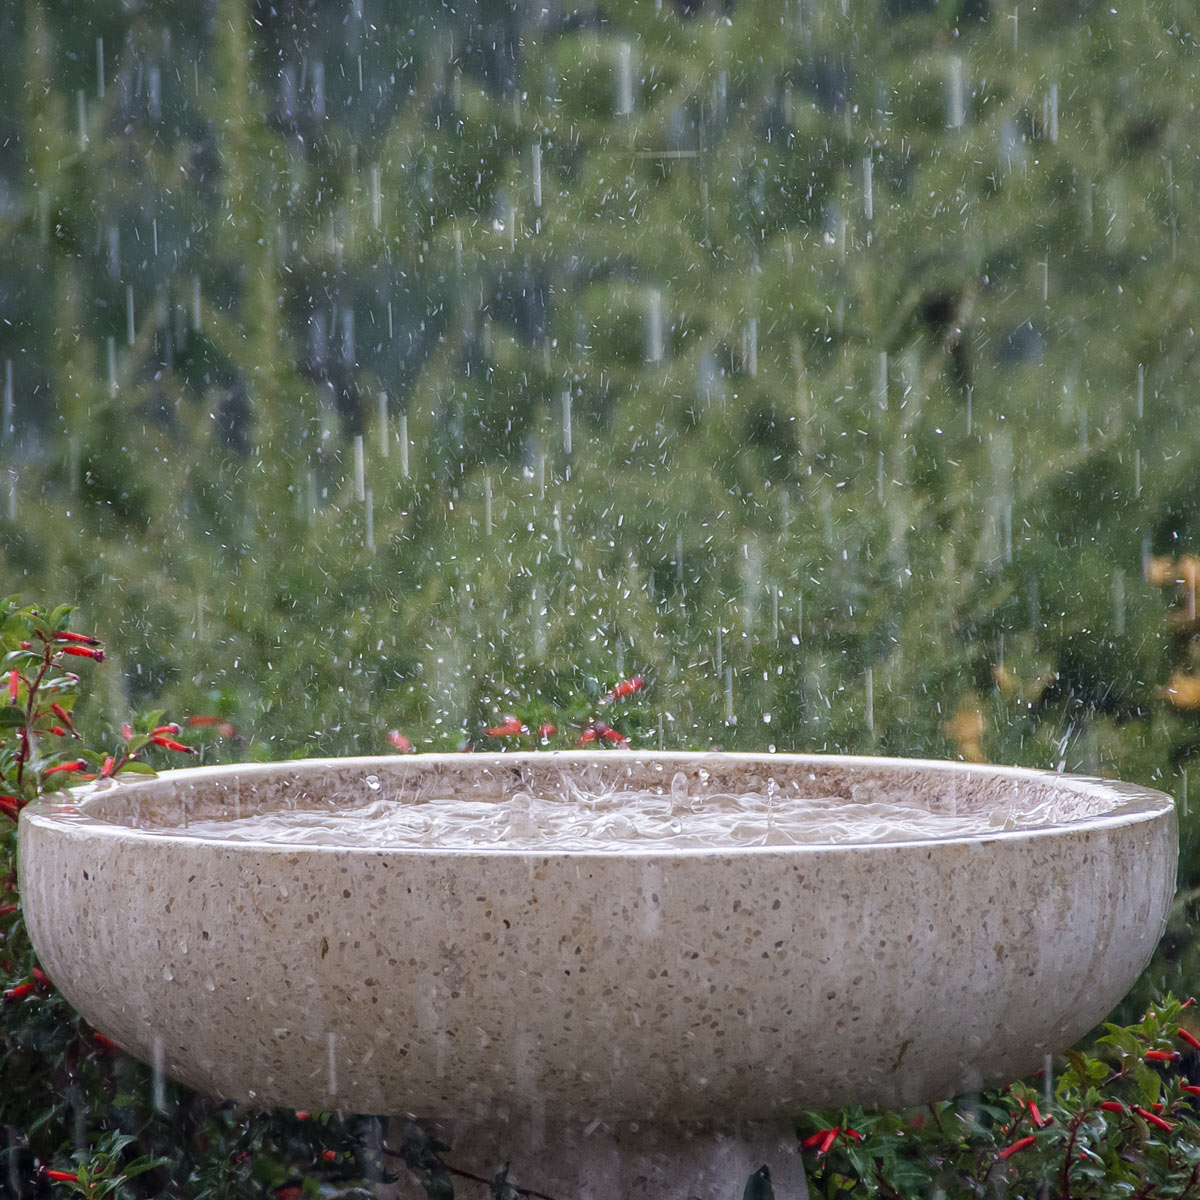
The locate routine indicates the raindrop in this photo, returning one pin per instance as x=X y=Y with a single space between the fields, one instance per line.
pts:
x=111 y=352
x=566 y=421
x=360 y=469
x=750 y=347
x=1141 y=390
x=81 y=118
x=158 y=1067
x=404 y=445
x=869 y=688
x=369 y=521
x=654 y=326
x=331 y=1062
x=7 y=427
x=99 y=68
x=624 y=80
x=384 y=440
x=955 y=105
x=868 y=190
x=730 y=719
x=130 y=330
x=881 y=381
x=372 y=782
x=12 y=495
x=536 y=170
x=487 y=505
x=377 y=216
x=1050 y=114
x=197 y=311
x=1118 y=603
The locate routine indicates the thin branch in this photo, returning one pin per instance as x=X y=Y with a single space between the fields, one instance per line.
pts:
x=471 y=1175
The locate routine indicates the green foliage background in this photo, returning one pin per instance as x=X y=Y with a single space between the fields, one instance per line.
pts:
x=838 y=450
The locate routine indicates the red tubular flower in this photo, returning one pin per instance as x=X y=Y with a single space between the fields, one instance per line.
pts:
x=62 y=714
x=1191 y=1089
x=110 y=765
x=19 y=992
x=127 y=731
x=329 y=1155
x=58 y=731
x=399 y=741
x=607 y=733
x=814 y=1139
x=76 y=764
x=1190 y=1038
x=93 y=652
x=302 y=1114
x=170 y=729
x=588 y=737
x=1161 y=1055
x=82 y=639
x=103 y=1043
x=627 y=687
x=171 y=744
x=1112 y=1106
x=14 y=683
x=828 y=1140
x=1154 y=1119
x=1017 y=1146
x=509 y=727
x=60 y=1176
x=546 y=731
x=11 y=806
x=7 y=909
x=1035 y=1116
x=41 y=979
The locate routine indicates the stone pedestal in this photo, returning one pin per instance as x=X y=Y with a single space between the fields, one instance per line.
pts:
x=629 y=1161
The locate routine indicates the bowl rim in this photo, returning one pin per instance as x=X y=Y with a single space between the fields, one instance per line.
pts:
x=68 y=810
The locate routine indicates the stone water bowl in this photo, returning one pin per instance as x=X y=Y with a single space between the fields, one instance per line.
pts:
x=581 y=1010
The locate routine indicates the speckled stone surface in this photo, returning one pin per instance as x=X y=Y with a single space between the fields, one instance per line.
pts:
x=680 y=984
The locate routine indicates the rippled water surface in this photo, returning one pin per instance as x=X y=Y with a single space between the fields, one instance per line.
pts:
x=684 y=814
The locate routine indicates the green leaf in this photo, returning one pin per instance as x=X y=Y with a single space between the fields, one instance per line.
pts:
x=11 y=717
x=58 y=617
x=136 y=767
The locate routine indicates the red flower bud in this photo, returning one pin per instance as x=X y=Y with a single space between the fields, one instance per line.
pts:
x=1165 y=1126
x=201 y=721
x=109 y=766
x=7 y=909
x=62 y=714
x=1112 y=1106
x=93 y=652
x=11 y=806
x=83 y=639
x=546 y=731
x=17 y=993
x=76 y=764
x=14 y=683
x=170 y=729
x=41 y=979
x=1035 y=1116
x=1161 y=1055
x=1190 y=1038
x=510 y=727
x=103 y=1043
x=127 y=731
x=1017 y=1146
x=60 y=1176
x=329 y=1155
x=401 y=743
x=302 y=1114
x=171 y=744
x=627 y=687
x=1191 y=1089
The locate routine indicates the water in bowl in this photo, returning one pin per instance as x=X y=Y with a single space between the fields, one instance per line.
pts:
x=683 y=815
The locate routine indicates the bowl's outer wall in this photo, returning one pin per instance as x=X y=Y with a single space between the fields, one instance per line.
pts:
x=678 y=986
